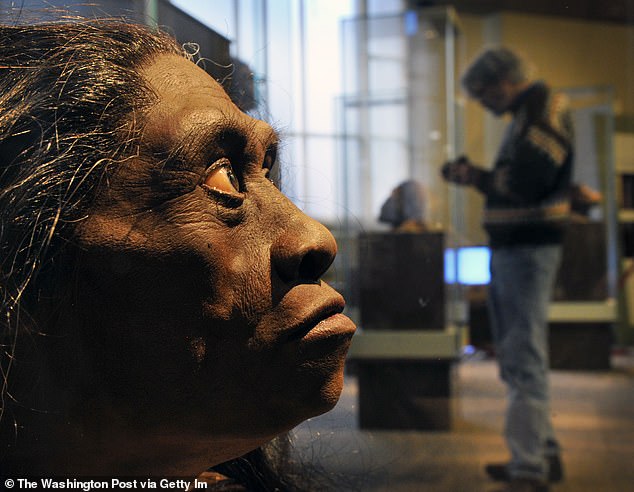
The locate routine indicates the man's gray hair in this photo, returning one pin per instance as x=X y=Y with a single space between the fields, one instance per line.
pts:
x=491 y=67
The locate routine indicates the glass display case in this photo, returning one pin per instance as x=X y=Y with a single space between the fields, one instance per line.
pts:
x=400 y=121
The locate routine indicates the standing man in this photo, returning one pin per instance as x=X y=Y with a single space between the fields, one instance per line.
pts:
x=526 y=208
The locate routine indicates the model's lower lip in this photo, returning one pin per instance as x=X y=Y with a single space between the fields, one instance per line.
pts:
x=337 y=325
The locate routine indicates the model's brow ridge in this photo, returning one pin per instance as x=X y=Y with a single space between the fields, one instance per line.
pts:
x=226 y=131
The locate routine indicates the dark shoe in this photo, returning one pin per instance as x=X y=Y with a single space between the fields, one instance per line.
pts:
x=499 y=472
x=555 y=469
x=527 y=485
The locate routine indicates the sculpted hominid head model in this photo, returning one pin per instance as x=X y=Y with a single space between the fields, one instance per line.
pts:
x=162 y=309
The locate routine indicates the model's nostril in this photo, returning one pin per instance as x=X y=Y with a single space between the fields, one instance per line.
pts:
x=314 y=264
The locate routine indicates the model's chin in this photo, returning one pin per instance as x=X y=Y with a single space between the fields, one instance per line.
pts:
x=327 y=383
x=331 y=393
x=289 y=382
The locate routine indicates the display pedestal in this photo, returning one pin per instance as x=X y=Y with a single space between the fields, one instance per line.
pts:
x=410 y=395
x=580 y=346
x=581 y=318
x=402 y=281
x=583 y=343
x=405 y=378
x=404 y=354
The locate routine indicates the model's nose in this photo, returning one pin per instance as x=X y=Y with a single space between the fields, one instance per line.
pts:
x=304 y=251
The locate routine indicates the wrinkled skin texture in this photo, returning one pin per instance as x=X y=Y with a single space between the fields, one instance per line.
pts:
x=200 y=326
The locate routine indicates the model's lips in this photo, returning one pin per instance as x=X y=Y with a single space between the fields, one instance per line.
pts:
x=336 y=325
x=322 y=322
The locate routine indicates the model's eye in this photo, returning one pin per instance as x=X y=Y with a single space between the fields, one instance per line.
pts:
x=269 y=161
x=219 y=176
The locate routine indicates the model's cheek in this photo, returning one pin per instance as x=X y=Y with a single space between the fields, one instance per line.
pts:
x=253 y=285
x=238 y=293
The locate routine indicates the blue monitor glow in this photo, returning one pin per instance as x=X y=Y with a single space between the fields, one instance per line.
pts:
x=472 y=264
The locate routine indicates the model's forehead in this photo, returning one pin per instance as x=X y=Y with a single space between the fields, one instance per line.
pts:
x=174 y=77
x=189 y=101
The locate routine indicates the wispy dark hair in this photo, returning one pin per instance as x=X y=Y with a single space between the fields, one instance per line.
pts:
x=68 y=96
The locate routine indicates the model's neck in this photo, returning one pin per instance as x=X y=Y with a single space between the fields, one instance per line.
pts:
x=56 y=445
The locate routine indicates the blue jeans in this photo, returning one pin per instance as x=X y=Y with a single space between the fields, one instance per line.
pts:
x=522 y=281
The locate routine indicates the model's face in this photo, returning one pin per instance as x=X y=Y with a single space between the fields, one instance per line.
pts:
x=200 y=282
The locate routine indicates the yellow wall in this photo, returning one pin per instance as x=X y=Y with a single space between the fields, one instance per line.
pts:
x=570 y=53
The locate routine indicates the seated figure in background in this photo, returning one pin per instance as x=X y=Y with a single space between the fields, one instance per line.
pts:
x=162 y=309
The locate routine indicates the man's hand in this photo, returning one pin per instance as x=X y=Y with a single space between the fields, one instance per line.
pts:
x=461 y=171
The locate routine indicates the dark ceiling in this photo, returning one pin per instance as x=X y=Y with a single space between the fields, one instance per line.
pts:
x=621 y=11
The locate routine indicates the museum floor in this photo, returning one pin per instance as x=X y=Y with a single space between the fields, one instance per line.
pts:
x=593 y=414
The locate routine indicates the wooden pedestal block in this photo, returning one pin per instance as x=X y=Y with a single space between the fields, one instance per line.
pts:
x=580 y=346
x=405 y=394
x=401 y=281
x=402 y=290
x=583 y=269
